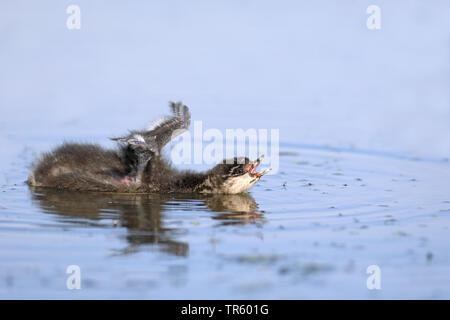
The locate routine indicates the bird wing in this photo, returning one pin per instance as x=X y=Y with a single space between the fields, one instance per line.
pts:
x=169 y=127
x=162 y=130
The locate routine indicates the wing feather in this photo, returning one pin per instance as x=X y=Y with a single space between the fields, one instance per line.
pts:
x=161 y=130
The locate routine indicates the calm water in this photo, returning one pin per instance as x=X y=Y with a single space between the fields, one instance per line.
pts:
x=308 y=232
x=364 y=155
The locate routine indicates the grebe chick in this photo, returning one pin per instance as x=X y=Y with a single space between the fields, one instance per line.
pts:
x=137 y=166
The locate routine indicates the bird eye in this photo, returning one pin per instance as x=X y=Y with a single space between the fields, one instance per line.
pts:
x=237 y=171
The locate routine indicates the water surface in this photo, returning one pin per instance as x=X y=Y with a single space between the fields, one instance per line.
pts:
x=364 y=146
x=308 y=232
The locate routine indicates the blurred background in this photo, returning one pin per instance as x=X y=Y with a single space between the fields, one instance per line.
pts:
x=363 y=117
x=311 y=69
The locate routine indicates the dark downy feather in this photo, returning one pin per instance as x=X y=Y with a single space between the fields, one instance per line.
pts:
x=137 y=165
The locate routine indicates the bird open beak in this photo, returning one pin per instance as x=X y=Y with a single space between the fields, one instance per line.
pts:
x=251 y=168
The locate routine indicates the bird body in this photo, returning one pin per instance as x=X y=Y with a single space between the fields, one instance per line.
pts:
x=138 y=166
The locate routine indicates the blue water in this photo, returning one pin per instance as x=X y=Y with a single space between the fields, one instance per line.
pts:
x=364 y=146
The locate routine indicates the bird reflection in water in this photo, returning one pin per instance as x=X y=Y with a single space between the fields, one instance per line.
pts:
x=144 y=215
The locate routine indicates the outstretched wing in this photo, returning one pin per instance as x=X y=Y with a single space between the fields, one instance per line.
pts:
x=161 y=131
x=169 y=127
